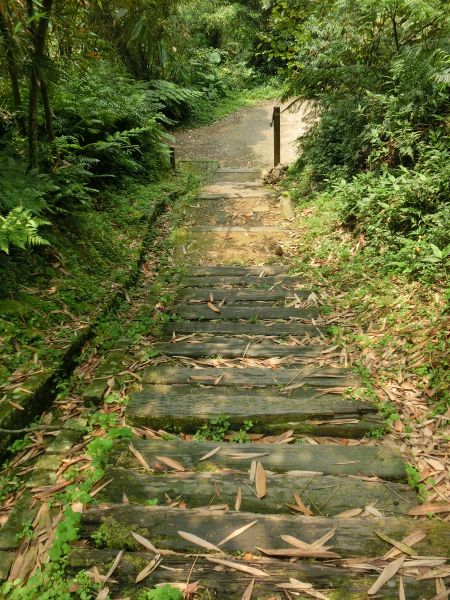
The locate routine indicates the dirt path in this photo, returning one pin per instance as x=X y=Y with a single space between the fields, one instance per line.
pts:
x=245 y=137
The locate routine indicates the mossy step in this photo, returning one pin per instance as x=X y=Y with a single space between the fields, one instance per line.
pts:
x=325 y=495
x=236 y=348
x=338 y=583
x=237 y=176
x=266 y=329
x=226 y=229
x=185 y=408
x=354 y=537
x=258 y=270
x=368 y=461
x=310 y=375
x=236 y=296
x=236 y=313
x=244 y=280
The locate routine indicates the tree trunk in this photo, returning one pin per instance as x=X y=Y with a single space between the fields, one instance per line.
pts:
x=47 y=112
x=39 y=34
x=10 y=54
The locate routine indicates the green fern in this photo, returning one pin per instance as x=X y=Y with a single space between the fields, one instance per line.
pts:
x=20 y=229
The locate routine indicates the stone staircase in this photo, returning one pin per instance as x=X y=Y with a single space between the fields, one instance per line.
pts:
x=305 y=502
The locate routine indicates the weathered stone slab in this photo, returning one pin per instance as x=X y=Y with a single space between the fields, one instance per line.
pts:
x=371 y=461
x=232 y=296
x=229 y=584
x=267 y=282
x=310 y=375
x=180 y=408
x=236 y=348
x=220 y=270
x=236 y=313
x=324 y=495
x=250 y=329
x=354 y=537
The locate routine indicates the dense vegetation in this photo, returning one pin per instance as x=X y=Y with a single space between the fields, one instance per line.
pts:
x=379 y=71
x=89 y=93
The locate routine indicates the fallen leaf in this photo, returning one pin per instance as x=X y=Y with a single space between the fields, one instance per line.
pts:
x=324 y=539
x=210 y=454
x=170 y=462
x=237 y=504
x=411 y=540
x=214 y=308
x=260 y=481
x=354 y=512
x=236 y=533
x=401 y=590
x=301 y=507
x=247 y=595
x=198 y=541
x=103 y=594
x=144 y=542
x=400 y=545
x=139 y=457
x=152 y=565
x=252 y=472
x=113 y=566
x=298 y=553
x=238 y=567
x=425 y=509
x=388 y=573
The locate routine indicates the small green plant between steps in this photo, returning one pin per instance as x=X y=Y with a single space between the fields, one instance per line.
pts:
x=219 y=427
x=166 y=592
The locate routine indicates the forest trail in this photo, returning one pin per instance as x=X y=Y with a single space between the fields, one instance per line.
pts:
x=249 y=355
x=245 y=137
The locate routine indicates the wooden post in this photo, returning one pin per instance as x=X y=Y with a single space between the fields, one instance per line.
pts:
x=277 y=135
x=173 y=162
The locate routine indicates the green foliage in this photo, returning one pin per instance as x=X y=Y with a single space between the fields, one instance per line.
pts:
x=377 y=72
x=20 y=229
x=215 y=430
x=166 y=592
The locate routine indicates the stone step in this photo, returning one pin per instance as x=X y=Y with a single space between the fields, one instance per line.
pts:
x=232 y=296
x=187 y=409
x=235 y=313
x=278 y=282
x=369 y=461
x=237 y=348
x=310 y=375
x=325 y=495
x=236 y=175
x=353 y=537
x=263 y=270
x=339 y=582
x=226 y=229
x=246 y=329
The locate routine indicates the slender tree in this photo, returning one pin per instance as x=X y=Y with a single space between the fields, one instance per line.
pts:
x=11 y=55
x=39 y=36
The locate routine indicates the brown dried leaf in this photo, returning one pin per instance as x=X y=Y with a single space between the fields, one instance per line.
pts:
x=103 y=594
x=238 y=567
x=210 y=454
x=324 y=539
x=144 y=542
x=198 y=541
x=425 y=509
x=401 y=590
x=388 y=573
x=301 y=507
x=113 y=566
x=247 y=595
x=139 y=457
x=260 y=481
x=214 y=308
x=152 y=565
x=354 y=512
x=236 y=533
x=237 y=504
x=170 y=462
x=298 y=553
x=292 y=541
